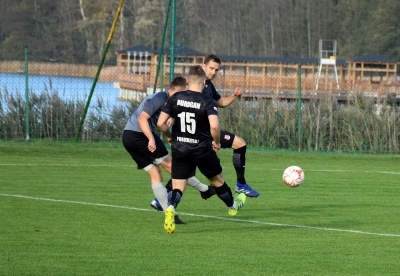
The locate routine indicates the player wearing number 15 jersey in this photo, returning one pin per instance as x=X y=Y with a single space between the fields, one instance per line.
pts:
x=195 y=140
x=191 y=132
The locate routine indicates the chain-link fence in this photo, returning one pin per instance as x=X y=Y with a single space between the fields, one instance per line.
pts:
x=349 y=100
x=52 y=97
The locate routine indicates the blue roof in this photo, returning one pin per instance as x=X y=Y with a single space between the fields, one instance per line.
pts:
x=373 y=58
x=292 y=60
x=138 y=48
x=185 y=51
x=178 y=50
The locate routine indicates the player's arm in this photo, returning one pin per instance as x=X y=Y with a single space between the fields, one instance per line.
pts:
x=225 y=101
x=162 y=125
x=170 y=122
x=215 y=131
x=143 y=121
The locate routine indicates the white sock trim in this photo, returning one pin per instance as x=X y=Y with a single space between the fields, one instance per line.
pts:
x=161 y=194
x=195 y=183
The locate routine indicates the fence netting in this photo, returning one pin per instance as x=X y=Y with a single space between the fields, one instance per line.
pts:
x=313 y=82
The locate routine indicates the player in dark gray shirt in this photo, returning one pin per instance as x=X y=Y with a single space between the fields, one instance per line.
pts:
x=151 y=105
x=146 y=148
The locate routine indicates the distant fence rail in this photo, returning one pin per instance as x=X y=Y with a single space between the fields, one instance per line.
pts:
x=108 y=73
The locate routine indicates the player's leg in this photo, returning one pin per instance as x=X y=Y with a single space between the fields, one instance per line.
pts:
x=157 y=186
x=135 y=143
x=156 y=204
x=224 y=192
x=160 y=158
x=210 y=166
x=182 y=169
x=167 y=163
x=205 y=190
x=174 y=197
x=230 y=140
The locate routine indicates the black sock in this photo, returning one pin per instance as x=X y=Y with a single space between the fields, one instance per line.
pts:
x=174 y=197
x=225 y=194
x=169 y=185
x=239 y=162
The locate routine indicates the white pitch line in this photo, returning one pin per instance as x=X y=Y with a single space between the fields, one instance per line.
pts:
x=206 y=216
x=62 y=165
x=108 y=165
x=345 y=171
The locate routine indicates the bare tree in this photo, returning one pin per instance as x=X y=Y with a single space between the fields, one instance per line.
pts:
x=89 y=47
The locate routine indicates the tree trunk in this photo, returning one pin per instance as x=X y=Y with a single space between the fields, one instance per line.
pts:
x=88 y=43
x=122 y=28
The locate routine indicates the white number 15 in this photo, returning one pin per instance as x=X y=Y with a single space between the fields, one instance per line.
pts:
x=188 y=122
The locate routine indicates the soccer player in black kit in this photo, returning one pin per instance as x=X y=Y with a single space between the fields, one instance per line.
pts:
x=228 y=140
x=195 y=139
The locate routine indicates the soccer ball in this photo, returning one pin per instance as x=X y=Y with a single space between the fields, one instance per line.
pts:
x=293 y=176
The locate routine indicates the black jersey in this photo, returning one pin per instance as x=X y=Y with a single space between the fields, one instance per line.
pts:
x=191 y=130
x=210 y=91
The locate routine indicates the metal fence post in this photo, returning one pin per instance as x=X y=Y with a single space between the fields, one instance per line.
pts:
x=299 y=106
x=26 y=96
x=172 y=47
x=103 y=57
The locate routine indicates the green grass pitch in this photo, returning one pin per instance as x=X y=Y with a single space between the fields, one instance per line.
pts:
x=83 y=209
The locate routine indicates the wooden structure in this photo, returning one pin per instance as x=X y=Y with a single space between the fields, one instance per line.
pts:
x=261 y=77
x=137 y=67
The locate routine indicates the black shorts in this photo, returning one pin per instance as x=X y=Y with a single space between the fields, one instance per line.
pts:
x=185 y=167
x=136 y=144
x=226 y=139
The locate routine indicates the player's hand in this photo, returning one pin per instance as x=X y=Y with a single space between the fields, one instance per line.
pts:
x=170 y=121
x=170 y=141
x=215 y=146
x=237 y=92
x=151 y=145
